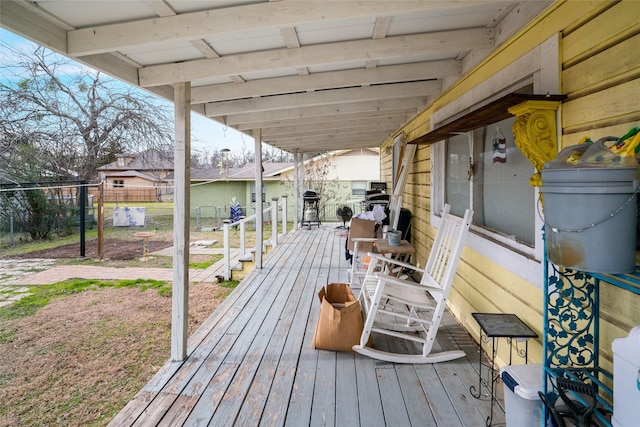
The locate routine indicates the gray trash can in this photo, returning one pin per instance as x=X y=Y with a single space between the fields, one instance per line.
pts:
x=523 y=407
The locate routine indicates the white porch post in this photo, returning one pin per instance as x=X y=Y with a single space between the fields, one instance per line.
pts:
x=296 y=191
x=274 y=222
x=285 y=207
x=300 y=160
x=257 y=136
x=182 y=154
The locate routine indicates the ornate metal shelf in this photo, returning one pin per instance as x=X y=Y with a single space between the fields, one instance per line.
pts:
x=571 y=329
x=629 y=282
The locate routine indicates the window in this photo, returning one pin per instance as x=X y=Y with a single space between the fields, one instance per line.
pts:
x=484 y=169
x=358 y=188
x=118 y=183
x=253 y=193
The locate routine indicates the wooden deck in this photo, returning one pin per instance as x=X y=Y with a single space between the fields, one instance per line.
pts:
x=251 y=363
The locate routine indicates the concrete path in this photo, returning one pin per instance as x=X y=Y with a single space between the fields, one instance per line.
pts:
x=15 y=275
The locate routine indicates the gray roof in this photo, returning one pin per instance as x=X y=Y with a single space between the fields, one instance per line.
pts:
x=150 y=160
x=245 y=173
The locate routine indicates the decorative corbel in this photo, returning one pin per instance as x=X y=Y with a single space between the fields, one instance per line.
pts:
x=535 y=133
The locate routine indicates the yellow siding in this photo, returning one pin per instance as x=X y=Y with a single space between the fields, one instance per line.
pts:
x=600 y=75
x=386 y=166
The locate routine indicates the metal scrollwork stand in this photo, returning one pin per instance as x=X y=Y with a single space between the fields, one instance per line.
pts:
x=494 y=326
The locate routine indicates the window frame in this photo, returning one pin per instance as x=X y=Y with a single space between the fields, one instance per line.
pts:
x=363 y=189
x=253 y=192
x=538 y=67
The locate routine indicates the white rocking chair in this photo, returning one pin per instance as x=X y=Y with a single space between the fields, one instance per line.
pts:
x=413 y=306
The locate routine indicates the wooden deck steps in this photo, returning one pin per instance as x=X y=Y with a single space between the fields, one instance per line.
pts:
x=251 y=363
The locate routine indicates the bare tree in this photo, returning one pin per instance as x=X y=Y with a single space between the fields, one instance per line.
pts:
x=79 y=118
x=316 y=178
x=60 y=121
x=214 y=158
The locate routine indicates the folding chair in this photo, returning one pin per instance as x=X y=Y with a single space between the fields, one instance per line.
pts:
x=413 y=306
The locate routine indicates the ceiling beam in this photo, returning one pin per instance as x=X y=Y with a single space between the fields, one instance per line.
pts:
x=323 y=97
x=388 y=74
x=401 y=115
x=27 y=20
x=208 y=23
x=371 y=138
x=417 y=102
x=329 y=129
x=349 y=122
x=306 y=56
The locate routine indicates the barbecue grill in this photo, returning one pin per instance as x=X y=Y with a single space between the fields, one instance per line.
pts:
x=310 y=209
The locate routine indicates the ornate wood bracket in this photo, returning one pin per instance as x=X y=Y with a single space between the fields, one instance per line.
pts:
x=535 y=133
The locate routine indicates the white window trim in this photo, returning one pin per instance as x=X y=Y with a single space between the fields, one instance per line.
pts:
x=539 y=67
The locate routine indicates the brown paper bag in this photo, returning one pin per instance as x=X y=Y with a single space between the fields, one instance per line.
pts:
x=340 y=322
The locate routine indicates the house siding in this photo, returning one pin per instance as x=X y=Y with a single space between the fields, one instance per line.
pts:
x=599 y=71
x=218 y=194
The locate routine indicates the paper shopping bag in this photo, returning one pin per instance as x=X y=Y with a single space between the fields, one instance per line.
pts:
x=340 y=322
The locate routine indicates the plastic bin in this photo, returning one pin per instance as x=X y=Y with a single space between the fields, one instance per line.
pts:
x=523 y=407
x=626 y=380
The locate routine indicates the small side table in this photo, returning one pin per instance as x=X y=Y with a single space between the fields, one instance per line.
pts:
x=401 y=251
x=499 y=325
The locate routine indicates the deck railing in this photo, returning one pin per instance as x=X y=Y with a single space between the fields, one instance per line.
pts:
x=246 y=255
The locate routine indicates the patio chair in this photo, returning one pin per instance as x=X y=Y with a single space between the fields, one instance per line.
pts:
x=360 y=240
x=405 y=309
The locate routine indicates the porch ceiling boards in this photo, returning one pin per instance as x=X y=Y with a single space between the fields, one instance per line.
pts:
x=251 y=363
x=313 y=75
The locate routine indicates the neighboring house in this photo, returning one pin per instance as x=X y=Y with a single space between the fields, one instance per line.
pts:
x=348 y=176
x=344 y=182
x=138 y=178
x=580 y=50
x=213 y=190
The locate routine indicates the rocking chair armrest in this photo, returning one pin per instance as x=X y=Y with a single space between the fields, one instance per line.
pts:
x=364 y=239
x=394 y=262
x=407 y=283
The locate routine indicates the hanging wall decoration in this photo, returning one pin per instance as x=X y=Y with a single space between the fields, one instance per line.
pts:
x=499 y=147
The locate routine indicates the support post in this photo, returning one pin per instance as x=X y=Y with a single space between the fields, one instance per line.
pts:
x=243 y=237
x=101 y=219
x=296 y=190
x=182 y=154
x=83 y=217
x=227 y=250
x=301 y=187
x=257 y=136
x=284 y=214
x=274 y=222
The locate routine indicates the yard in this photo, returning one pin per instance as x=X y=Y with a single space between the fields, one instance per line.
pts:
x=75 y=352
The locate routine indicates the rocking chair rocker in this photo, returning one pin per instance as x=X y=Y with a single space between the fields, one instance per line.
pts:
x=413 y=306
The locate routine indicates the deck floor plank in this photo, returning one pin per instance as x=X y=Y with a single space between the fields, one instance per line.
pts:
x=266 y=346
x=199 y=370
x=282 y=387
x=243 y=339
x=251 y=362
x=323 y=408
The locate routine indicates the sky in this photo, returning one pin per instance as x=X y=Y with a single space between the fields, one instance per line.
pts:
x=206 y=134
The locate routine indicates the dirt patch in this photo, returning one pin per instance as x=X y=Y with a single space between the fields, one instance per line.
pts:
x=81 y=358
x=113 y=249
